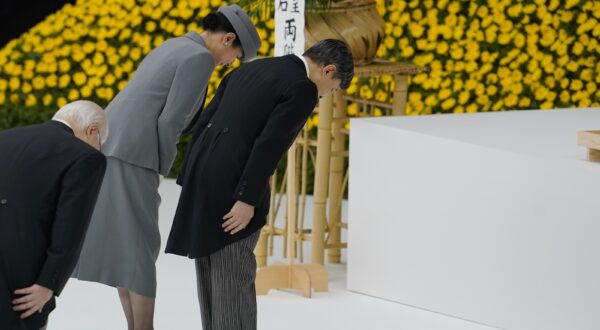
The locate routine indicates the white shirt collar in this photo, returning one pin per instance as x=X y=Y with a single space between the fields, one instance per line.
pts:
x=305 y=64
x=64 y=122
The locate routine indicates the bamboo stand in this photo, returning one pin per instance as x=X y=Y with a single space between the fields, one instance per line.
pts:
x=292 y=276
x=331 y=153
x=328 y=153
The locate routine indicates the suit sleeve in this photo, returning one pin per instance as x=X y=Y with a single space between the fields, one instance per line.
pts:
x=79 y=191
x=186 y=92
x=283 y=125
x=205 y=117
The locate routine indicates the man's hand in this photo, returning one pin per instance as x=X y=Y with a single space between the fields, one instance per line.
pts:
x=36 y=296
x=238 y=218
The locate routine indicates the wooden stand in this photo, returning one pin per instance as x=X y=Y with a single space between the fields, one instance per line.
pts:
x=590 y=140
x=291 y=276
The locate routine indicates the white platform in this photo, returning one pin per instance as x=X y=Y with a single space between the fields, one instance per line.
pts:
x=489 y=217
x=91 y=306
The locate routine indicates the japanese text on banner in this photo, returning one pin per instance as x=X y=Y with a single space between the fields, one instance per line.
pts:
x=289 y=27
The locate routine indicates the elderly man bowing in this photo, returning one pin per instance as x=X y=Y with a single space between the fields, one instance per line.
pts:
x=50 y=176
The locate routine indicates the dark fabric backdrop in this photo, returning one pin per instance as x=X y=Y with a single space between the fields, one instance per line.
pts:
x=17 y=16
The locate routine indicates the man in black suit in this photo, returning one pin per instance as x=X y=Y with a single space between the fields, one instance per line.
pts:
x=240 y=137
x=50 y=176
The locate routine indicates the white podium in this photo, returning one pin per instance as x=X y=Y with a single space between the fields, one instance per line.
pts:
x=491 y=217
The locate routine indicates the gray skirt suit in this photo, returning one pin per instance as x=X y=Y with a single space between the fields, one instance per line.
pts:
x=145 y=122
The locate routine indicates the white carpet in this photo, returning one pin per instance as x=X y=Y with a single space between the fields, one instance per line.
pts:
x=91 y=306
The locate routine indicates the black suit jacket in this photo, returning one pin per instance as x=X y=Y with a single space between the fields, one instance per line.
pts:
x=49 y=182
x=240 y=137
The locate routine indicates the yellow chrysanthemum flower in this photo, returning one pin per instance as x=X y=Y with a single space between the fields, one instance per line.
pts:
x=14 y=83
x=79 y=78
x=39 y=83
x=471 y=108
x=73 y=95
x=448 y=104
x=31 y=100
x=26 y=88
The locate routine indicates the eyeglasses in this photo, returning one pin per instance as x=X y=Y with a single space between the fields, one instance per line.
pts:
x=99 y=142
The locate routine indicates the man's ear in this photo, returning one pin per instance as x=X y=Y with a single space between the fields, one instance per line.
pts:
x=92 y=129
x=329 y=70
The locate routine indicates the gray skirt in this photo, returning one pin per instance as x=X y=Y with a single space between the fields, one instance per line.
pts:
x=123 y=240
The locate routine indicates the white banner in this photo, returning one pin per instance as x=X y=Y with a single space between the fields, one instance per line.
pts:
x=289 y=27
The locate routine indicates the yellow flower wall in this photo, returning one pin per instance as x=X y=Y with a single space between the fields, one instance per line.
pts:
x=484 y=55
x=496 y=55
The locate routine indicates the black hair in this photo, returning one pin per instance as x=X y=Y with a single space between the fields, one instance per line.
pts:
x=336 y=52
x=217 y=22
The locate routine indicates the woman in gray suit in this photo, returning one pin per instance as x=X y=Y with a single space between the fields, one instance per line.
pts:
x=146 y=120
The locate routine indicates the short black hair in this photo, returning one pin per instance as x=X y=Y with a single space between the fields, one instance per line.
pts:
x=336 y=52
x=217 y=22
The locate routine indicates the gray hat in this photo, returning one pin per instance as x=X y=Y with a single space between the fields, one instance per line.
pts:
x=244 y=29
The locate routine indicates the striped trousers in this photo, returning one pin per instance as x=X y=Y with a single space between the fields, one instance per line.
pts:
x=226 y=289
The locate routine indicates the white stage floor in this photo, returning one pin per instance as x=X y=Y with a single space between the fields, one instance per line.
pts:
x=91 y=306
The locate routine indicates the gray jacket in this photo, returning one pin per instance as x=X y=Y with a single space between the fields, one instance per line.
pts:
x=147 y=117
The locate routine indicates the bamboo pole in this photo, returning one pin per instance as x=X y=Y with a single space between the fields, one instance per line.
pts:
x=279 y=200
x=321 y=179
x=400 y=95
x=266 y=234
x=298 y=231
x=336 y=173
x=292 y=192
x=304 y=183
x=261 y=249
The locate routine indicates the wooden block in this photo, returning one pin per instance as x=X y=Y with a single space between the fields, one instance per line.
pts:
x=273 y=277
x=303 y=278
x=590 y=140
x=594 y=155
x=319 y=277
